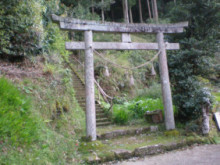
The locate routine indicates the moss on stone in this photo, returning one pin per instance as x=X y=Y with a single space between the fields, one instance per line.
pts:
x=172 y=133
x=86 y=147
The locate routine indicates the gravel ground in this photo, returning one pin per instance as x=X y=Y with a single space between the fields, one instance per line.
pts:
x=197 y=155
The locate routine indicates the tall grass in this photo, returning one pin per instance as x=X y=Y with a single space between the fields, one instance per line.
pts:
x=16 y=122
x=154 y=92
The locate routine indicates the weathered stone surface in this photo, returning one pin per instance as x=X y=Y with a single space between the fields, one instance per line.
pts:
x=120 y=46
x=93 y=160
x=153 y=128
x=154 y=116
x=110 y=135
x=143 y=151
x=123 y=154
x=148 y=150
x=83 y=25
x=217 y=119
x=174 y=146
x=142 y=130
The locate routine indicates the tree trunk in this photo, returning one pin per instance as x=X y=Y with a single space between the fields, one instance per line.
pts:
x=152 y=5
x=140 y=11
x=93 y=11
x=149 y=9
x=103 y=14
x=205 y=120
x=125 y=11
x=155 y=10
x=131 y=16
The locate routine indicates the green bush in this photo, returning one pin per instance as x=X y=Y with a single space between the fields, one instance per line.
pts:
x=120 y=115
x=143 y=105
x=20 y=27
x=16 y=122
x=199 y=44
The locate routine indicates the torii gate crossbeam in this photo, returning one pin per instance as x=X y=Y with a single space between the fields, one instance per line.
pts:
x=88 y=45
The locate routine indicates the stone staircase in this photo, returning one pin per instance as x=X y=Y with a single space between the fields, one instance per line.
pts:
x=101 y=118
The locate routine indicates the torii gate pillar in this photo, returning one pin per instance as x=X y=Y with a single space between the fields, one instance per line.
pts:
x=165 y=83
x=90 y=89
x=88 y=45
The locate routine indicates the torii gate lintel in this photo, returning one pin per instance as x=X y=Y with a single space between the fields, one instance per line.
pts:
x=88 y=45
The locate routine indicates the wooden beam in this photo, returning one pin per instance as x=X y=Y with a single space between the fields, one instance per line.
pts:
x=120 y=46
x=84 y=25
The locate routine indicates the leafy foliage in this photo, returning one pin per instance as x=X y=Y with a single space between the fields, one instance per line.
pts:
x=199 y=44
x=122 y=113
x=16 y=121
x=20 y=27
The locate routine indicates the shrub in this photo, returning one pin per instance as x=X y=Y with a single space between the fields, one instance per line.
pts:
x=20 y=27
x=120 y=115
x=16 y=122
x=135 y=109
x=199 y=44
x=141 y=106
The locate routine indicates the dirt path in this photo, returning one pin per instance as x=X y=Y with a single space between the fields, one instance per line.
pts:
x=198 y=155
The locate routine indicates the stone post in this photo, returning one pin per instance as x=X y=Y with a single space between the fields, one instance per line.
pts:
x=165 y=82
x=89 y=83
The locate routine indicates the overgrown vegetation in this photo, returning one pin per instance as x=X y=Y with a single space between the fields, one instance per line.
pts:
x=20 y=28
x=128 y=111
x=17 y=123
x=40 y=120
x=199 y=43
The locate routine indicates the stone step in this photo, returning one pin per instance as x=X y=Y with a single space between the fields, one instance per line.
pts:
x=101 y=120
x=78 y=90
x=78 y=83
x=100 y=112
x=127 y=132
x=81 y=100
x=100 y=115
x=97 y=110
x=80 y=95
x=82 y=104
x=103 y=124
x=76 y=79
x=79 y=87
x=81 y=92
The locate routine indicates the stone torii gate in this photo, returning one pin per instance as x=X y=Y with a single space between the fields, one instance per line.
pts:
x=88 y=45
